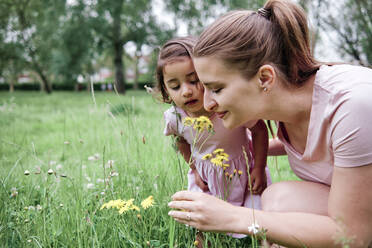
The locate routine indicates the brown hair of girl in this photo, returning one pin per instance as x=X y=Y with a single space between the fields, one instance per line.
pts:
x=171 y=51
x=276 y=34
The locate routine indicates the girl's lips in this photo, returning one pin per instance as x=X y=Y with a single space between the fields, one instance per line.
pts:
x=221 y=115
x=192 y=102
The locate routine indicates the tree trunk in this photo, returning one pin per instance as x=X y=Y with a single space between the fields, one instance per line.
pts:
x=118 y=57
x=44 y=79
x=136 y=71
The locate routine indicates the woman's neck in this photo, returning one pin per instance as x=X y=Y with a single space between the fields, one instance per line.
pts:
x=293 y=106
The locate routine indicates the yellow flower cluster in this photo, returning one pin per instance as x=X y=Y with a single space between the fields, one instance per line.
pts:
x=200 y=124
x=126 y=205
x=218 y=157
x=148 y=202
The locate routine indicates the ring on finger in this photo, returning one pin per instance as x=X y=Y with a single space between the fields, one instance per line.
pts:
x=188 y=216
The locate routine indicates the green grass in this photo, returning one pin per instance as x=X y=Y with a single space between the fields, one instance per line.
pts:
x=39 y=132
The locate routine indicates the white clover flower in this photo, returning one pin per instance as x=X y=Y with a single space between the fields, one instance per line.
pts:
x=38 y=207
x=99 y=180
x=110 y=162
x=90 y=186
x=59 y=166
x=114 y=174
x=96 y=156
x=66 y=142
x=103 y=193
x=254 y=228
x=31 y=208
x=91 y=158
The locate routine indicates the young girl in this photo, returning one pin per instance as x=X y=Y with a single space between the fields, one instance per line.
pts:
x=179 y=85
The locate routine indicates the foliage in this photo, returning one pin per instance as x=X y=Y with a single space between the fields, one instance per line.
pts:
x=352 y=22
x=79 y=156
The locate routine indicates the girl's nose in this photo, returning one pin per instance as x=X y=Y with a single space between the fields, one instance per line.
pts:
x=209 y=103
x=186 y=91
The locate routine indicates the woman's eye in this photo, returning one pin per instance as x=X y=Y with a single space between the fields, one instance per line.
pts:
x=175 y=87
x=217 y=90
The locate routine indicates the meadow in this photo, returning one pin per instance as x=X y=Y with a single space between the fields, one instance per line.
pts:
x=62 y=156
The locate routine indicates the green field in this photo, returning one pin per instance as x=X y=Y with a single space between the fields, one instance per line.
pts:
x=75 y=137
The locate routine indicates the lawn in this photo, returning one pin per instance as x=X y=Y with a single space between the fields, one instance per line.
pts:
x=66 y=154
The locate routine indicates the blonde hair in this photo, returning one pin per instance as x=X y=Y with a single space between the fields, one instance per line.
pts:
x=171 y=51
x=277 y=34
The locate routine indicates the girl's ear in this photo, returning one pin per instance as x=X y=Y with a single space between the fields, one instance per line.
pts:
x=266 y=76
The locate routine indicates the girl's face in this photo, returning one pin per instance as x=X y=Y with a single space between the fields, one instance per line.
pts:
x=235 y=99
x=183 y=86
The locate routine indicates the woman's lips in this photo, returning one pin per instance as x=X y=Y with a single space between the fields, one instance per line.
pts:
x=221 y=115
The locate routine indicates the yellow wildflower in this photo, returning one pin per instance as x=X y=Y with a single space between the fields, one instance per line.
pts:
x=207 y=156
x=124 y=209
x=225 y=166
x=234 y=171
x=196 y=243
x=148 y=202
x=188 y=121
x=216 y=162
x=218 y=151
x=240 y=172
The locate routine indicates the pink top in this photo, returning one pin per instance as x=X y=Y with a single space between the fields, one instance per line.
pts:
x=231 y=140
x=340 y=128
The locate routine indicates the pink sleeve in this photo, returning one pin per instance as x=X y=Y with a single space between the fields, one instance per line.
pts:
x=170 y=123
x=351 y=128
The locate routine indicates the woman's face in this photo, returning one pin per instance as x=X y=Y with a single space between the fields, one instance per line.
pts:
x=227 y=93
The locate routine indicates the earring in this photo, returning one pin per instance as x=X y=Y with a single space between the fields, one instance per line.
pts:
x=265 y=89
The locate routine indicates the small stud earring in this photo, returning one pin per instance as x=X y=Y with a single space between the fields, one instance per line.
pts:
x=264 y=89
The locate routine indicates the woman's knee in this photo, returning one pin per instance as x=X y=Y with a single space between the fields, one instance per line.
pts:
x=275 y=196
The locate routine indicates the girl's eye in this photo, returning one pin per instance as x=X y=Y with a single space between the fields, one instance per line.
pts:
x=194 y=81
x=175 y=87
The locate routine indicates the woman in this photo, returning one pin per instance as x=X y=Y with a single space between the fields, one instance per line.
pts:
x=258 y=65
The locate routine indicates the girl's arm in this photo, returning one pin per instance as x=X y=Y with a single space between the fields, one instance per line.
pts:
x=260 y=144
x=260 y=148
x=185 y=150
x=276 y=148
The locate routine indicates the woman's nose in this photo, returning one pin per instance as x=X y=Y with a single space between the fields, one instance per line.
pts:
x=209 y=103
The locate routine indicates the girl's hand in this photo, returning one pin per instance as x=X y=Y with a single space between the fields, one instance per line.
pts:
x=199 y=181
x=203 y=211
x=258 y=181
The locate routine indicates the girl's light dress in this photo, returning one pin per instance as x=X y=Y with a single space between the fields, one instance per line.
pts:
x=233 y=141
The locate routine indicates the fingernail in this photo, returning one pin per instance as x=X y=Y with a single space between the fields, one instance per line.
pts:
x=170 y=213
x=170 y=204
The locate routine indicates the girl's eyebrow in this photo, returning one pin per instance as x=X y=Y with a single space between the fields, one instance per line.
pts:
x=191 y=74
x=171 y=80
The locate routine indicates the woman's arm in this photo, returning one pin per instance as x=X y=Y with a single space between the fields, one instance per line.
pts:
x=349 y=209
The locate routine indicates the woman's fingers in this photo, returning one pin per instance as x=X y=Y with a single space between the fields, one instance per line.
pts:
x=185 y=195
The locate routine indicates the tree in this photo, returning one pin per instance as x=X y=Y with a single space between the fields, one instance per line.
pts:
x=33 y=25
x=196 y=14
x=118 y=22
x=351 y=20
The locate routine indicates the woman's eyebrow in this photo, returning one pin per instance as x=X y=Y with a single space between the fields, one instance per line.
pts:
x=211 y=83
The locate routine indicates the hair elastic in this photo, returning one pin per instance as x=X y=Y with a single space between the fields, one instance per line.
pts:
x=181 y=44
x=264 y=12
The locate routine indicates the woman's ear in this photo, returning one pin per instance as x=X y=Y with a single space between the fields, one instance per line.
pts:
x=266 y=76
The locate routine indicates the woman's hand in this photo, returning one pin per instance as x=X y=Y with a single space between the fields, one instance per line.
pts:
x=203 y=211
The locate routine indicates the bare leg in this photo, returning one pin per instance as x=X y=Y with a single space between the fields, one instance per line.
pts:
x=296 y=196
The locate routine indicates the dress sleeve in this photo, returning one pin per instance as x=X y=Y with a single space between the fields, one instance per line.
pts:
x=170 y=119
x=351 y=128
